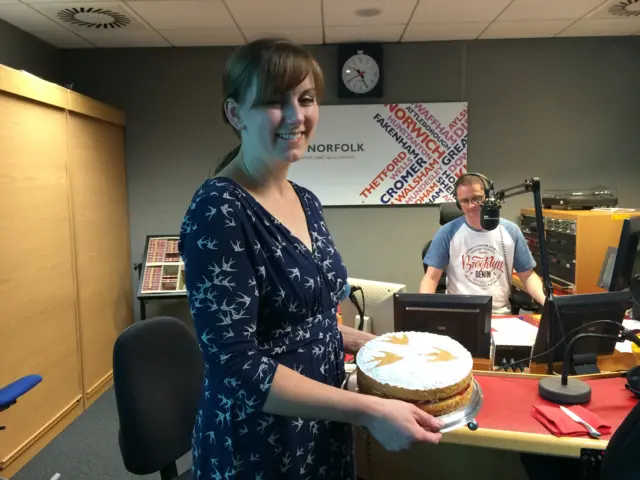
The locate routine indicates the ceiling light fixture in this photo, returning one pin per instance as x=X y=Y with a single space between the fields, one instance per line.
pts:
x=368 y=12
x=625 y=8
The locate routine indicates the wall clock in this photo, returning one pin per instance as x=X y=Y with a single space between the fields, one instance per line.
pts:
x=361 y=70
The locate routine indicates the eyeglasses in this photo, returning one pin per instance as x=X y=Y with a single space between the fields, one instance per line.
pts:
x=475 y=200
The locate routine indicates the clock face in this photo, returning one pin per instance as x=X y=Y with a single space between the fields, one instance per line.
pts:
x=360 y=73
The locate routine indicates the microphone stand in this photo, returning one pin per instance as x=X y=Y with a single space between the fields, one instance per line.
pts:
x=533 y=186
x=571 y=390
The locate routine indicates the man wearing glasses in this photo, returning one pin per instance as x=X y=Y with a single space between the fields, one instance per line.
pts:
x=477 y=261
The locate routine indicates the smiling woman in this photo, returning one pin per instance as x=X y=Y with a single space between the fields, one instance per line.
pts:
x=264 y=280
x=266 y=71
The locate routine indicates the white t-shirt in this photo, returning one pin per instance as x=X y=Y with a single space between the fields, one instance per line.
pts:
x=474 y=260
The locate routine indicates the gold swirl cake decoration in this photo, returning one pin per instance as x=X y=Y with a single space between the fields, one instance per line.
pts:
x=439 y=356
x=386 y=359
x=401 y=340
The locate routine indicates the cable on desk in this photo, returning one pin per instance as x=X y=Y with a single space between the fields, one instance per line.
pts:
x=501 y=367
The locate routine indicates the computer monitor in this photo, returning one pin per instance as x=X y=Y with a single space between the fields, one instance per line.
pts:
x=564 y=313
x=378 y=304
x=620 y=263
x=465 y=318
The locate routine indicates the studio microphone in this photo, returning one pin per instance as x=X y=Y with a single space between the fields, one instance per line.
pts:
x=490 y=212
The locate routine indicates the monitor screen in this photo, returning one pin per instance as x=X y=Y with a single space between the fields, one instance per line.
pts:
x=626 y=254
x=606 y=272
x=465 y=318
x=565 y=313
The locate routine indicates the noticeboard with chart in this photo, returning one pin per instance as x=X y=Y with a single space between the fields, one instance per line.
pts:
x=162 y=272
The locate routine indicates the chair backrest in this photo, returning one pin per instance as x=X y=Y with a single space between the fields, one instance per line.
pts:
x=157 y=372
x=449 y=211
x=621 y=460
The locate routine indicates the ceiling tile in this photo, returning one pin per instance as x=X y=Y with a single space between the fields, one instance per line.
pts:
x=617 y=9
x=343 y=12
x=360 y=33
x=85 y=17
x=25 y=17
x=433 y=11
x=203 y=37
x=548 y=9
x=594 y=28
x=62 y=38
x=54 y=1
x=524 y=29
x=125 y=38
x=276 y=13
x=301 y=35
x=182 y=14
x=425 y=32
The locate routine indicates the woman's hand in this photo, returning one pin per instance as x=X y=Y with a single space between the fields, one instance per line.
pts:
x=353 y=339
x=397 y=424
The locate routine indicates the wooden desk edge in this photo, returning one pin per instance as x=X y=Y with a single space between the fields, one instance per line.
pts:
x=523 y=442
x=546 y=444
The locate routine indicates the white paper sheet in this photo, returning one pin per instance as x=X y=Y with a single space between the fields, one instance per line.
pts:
x=513 y=331
x=625 y=347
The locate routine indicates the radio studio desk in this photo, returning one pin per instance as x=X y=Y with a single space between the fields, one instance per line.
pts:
x=506 y=429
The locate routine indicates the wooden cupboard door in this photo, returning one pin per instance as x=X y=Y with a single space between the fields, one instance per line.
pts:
x=101 y=232
x=38 y=324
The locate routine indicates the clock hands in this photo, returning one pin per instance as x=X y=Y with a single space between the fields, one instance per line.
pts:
x=360 y=75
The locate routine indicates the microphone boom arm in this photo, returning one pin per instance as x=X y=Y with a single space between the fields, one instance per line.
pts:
x=533 y=185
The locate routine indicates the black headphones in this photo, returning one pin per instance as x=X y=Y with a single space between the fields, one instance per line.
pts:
x=485 y=181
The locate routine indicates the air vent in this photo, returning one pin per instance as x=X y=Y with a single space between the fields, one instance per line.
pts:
x=617 y=9
x=89 y=17
x=624 y=9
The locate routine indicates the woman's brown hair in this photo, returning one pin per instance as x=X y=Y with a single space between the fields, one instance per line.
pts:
x=276 y=66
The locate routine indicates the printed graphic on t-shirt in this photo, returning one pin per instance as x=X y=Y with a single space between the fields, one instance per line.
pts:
x=482 y=265
x=476 y=262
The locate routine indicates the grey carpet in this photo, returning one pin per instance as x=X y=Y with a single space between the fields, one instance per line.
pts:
x=87 y=449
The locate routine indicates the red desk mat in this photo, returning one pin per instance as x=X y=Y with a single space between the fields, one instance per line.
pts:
x=508 y=402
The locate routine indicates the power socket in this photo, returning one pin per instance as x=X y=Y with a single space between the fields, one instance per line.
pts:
x=366 y=326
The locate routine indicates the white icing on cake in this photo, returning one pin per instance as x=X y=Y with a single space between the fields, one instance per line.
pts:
x=416 y=369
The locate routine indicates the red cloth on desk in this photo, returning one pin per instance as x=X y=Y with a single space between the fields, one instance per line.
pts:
x=508 y=401
x=559 y=423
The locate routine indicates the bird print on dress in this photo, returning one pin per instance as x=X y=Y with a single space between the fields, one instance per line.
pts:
x=260 y=298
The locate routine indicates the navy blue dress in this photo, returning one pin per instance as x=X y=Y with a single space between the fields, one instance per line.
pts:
x=259 y=297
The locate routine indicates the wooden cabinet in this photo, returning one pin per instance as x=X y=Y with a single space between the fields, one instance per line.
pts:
x=65 y=283
x=577 y=242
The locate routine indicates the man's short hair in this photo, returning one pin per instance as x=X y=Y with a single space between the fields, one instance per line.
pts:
x=471 y=179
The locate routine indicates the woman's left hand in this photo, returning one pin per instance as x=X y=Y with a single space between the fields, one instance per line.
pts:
x=354 y=339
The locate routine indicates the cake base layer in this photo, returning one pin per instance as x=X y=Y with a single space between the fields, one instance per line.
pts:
x=435 y=402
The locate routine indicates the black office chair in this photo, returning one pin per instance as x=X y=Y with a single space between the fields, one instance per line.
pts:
x=621 y=460
x=448 y=212
x=157 y=373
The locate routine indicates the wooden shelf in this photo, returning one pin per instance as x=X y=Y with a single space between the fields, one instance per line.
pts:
x=583 y=237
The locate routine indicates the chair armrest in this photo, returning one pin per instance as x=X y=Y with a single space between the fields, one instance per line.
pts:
x=10 y=393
